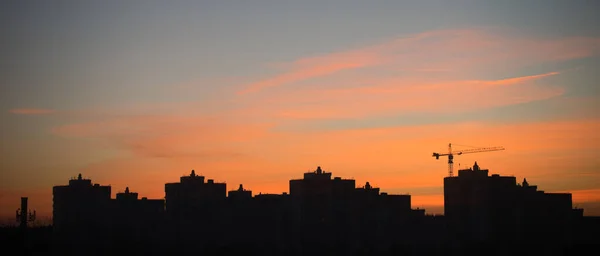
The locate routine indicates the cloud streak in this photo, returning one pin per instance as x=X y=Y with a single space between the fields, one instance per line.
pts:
x=31 y=111
x=514 y=80
x=401 y=96
x=309 y=68
x=168 y=136
x=447 y=50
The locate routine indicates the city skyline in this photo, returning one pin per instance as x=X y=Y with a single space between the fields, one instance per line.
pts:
x=138 y=94
x=321 y=214
x=114 y=194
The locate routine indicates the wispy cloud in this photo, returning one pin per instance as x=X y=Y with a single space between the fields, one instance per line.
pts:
x=315 y=67
x=167 y=135
x=401 y=96
x=31 y=111
x=443 y=50
x=513 y=80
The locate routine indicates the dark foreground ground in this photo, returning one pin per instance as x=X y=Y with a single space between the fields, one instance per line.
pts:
x=39 y=241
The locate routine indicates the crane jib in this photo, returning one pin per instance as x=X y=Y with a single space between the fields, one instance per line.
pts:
x=451 y=154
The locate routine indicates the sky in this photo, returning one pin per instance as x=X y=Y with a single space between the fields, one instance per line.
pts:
x=138 y=93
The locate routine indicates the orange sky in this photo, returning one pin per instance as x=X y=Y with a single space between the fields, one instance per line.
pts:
x=374 y=113
x=555 y=155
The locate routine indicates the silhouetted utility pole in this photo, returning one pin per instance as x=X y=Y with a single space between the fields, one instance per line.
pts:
x=23 y=216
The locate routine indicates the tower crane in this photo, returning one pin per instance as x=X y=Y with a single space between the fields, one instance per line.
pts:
x=451 y=154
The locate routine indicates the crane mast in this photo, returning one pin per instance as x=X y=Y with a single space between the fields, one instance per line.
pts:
x=451 y=154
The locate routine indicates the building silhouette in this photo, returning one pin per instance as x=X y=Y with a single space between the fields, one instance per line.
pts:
x=135 y=220
x=85 y=217
x=80 y=216
x=321 y=214
x=196 y=210
x=487 y=208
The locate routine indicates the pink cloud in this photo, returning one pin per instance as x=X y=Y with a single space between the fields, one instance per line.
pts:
x=444 y=50
x=315 y=67
x=168 y=136
x=310 y=67
x=514 y=80
x=386 y=97
x=31 y=111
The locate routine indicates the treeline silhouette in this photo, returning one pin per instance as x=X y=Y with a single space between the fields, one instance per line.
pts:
x=321 y=215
